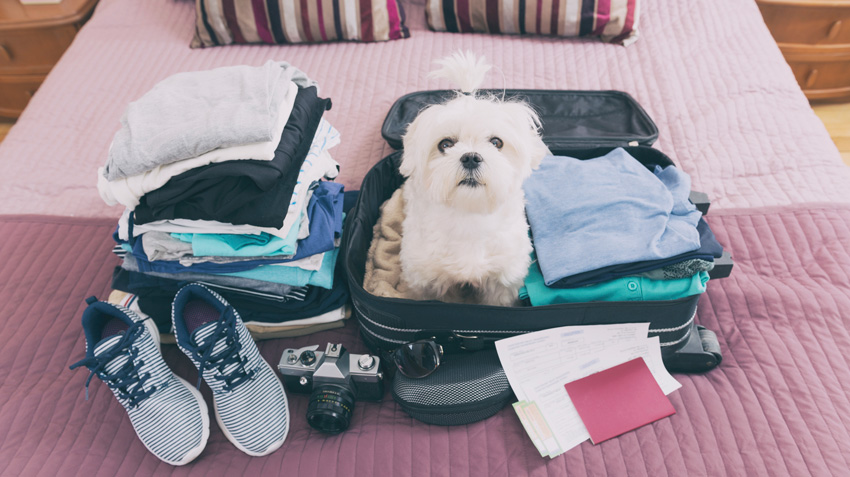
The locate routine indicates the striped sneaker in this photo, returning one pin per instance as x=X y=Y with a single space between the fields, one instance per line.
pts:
x=122 y=349
x=249 y=402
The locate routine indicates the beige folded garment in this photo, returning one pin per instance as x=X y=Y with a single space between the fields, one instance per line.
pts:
x=383 y=265
x=283 y=331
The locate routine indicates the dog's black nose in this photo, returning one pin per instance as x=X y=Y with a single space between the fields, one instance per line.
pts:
x=471 y=160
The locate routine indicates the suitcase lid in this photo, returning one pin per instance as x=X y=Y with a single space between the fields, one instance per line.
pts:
x=570 y=118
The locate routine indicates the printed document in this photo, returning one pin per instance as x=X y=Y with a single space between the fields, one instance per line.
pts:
x=538 y=365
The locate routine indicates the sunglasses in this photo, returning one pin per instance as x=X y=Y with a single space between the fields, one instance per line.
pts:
x=417 y=359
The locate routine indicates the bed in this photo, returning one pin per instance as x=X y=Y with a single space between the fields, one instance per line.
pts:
x=729 y=113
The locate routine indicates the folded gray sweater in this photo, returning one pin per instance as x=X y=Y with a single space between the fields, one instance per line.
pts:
x=189 y=114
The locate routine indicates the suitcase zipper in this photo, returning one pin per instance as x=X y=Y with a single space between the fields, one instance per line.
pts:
x=460 y=333
x=412 y=330
x=667 y=330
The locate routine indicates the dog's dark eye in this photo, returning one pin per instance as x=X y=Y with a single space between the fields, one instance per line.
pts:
x=445 y=144
x=496 y=142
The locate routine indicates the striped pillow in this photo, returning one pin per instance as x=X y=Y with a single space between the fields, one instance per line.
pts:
x=614 y=20
x=224 y=22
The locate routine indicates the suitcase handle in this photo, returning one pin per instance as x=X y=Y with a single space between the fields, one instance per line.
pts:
x=722 y=266
x=700 y=353
x=701 y=200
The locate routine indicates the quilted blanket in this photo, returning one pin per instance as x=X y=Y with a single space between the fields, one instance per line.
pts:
x=779 y=404
x=729 y=114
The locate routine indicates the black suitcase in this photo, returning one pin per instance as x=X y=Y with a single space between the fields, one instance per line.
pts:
x=581 y=124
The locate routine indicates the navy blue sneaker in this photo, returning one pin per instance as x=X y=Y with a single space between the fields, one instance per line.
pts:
x=122 y=349
x=249 y=401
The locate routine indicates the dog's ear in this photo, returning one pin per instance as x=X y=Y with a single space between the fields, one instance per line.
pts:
x=408 y=162
x=539 y=150
x=528 y=122
x=409 y=158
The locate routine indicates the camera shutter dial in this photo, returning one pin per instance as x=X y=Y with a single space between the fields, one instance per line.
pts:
x=366 y=362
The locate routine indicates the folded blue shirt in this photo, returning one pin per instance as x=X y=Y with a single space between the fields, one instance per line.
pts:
x=589 y=214
x=242 y=245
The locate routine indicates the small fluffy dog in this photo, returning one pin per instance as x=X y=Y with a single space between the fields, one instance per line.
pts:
x=465 y=235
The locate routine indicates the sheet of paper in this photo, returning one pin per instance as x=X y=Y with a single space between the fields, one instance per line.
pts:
x=567 y=429
x=523 y=356
x=538 y=365
x=650 y=350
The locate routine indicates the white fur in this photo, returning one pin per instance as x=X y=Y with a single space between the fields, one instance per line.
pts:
x=462 y=69
x=464 y=243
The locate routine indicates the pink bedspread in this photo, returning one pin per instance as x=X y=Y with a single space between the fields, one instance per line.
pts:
x=729 y=113
x=779 y=404
x=728 y=109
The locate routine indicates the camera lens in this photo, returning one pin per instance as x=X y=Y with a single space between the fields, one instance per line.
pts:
x=330 y=408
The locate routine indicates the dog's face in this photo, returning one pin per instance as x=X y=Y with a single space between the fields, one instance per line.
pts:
x=472 y=153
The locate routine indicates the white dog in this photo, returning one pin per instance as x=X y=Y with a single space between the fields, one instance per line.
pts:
x=465 y=235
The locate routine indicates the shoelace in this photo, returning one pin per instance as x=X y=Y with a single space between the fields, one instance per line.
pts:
x=127 y=380
x=206 y=359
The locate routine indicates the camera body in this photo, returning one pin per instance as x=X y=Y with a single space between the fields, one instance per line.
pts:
x=305 y=369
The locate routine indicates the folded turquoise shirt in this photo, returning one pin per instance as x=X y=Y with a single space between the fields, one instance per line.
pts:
x=234 y=245
x=297 y=277
x=325 y=211
x=620 y=289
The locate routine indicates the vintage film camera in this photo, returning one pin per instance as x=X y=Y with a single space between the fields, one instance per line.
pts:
x=335 y=379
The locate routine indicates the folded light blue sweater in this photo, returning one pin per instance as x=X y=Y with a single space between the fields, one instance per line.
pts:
x=589 y=214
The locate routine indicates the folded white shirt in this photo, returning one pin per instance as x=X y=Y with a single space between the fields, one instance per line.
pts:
x=186 y=226
x=128 y=190
x=317 y=165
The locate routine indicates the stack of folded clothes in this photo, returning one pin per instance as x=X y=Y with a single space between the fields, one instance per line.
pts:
x=226 y=179
x=610 y=229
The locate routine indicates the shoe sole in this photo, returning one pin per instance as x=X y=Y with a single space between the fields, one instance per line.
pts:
x=205 y=413
x=275 y=446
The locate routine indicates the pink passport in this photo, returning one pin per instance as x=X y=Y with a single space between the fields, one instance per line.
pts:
x=618 y=399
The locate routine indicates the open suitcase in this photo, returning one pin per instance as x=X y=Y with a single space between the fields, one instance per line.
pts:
x=581 y=124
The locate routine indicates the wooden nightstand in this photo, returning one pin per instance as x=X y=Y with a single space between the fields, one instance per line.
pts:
x=814 y=37
x=32 y=39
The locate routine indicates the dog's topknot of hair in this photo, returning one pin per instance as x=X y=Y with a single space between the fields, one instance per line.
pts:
x=463 y=69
